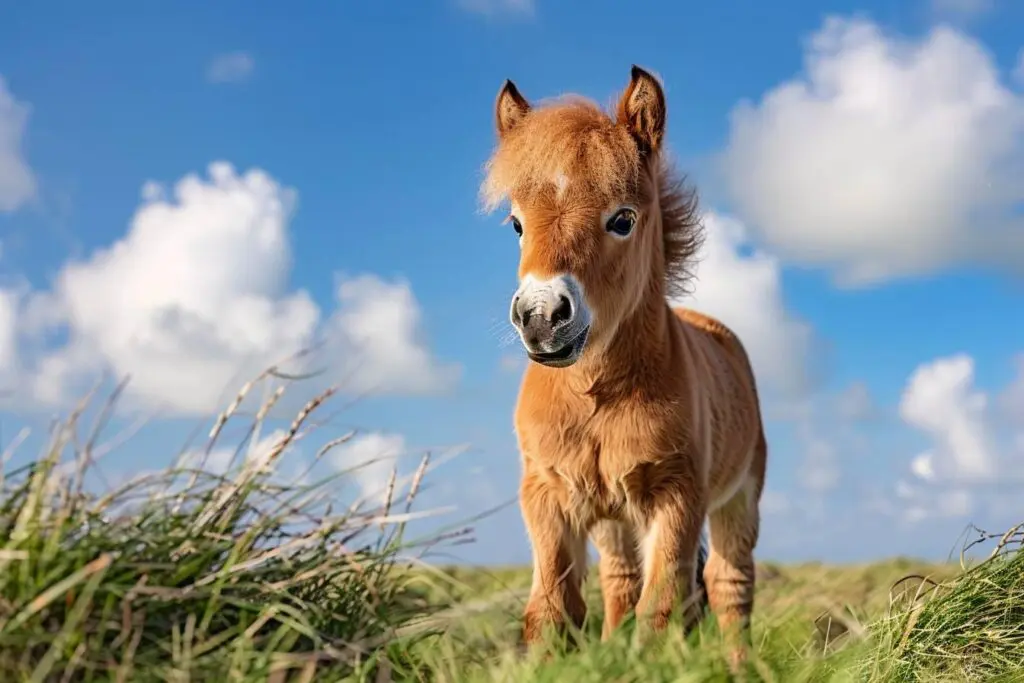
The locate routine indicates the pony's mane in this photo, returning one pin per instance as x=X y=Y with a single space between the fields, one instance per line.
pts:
x=572 y=135
x=682 y=232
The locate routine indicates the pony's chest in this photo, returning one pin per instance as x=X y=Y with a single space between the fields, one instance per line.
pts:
x=597 y=467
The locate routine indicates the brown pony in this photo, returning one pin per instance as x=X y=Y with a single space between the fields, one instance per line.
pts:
x=636 y=421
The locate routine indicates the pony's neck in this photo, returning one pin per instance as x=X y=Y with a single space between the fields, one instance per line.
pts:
x=639 y=346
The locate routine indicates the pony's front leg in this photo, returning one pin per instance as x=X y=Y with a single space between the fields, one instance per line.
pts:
x=671 y=544
x=620 y=570
x=559 y=563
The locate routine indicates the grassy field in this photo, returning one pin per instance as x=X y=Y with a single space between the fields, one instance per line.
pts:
x=189 y=574
x=813 y=623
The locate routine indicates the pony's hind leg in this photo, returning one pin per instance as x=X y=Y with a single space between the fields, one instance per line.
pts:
x=620 y=570
x=729 y=573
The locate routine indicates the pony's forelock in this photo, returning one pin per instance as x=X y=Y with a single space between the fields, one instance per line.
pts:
x=573 y=137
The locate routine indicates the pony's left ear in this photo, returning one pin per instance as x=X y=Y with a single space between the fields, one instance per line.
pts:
x=642 y=110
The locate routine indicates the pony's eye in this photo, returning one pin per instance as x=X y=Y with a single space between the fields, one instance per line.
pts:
x=516 y=225
x=621 y=223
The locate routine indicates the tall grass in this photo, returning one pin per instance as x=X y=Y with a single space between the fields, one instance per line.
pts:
x=200 y=573
x=968 y=628
x=189 y=574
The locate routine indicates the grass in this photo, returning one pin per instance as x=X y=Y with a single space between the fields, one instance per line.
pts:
x=189 y=574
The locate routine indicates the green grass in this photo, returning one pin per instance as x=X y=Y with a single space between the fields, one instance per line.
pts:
x=186 y=574
x=189 y=575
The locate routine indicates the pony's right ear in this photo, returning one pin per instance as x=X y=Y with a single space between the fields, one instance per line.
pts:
x=510 y=109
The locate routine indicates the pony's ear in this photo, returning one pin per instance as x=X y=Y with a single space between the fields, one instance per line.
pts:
x=642 y=110
x=510 y=109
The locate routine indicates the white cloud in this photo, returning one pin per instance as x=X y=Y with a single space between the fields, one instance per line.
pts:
x=743 y=288
x=972 y=465
x=192 y=302
x=256 y=454
x=890 y=157
x=8 y=338
x=17 y=182
x=499 y=7
x=923 y=466
x=855 y=403
x=941 y=401
x=231 y=67
x=370 y=459
x=919 y=504
x=377 y=323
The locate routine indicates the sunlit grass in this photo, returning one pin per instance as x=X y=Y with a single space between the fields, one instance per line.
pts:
x=191 y=574
x=195 y=574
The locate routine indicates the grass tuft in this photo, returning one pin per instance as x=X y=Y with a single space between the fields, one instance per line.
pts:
x=967 y=628
x=189 y=574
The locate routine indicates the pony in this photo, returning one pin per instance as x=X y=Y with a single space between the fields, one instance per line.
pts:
x=636 y=421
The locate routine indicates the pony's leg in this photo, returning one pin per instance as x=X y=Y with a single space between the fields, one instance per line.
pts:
x=619 y=568
x=729 y=574
x=559 y=563
x=670 y=546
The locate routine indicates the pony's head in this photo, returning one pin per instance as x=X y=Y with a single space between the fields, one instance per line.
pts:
x=602 y=225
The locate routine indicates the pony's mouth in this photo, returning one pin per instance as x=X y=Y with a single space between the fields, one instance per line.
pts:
x=565 y=356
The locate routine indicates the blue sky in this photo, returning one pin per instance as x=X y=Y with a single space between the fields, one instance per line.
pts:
x=860 y=163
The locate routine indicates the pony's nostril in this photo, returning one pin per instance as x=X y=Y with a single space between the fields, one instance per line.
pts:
x=517 y=317
x=563 y=312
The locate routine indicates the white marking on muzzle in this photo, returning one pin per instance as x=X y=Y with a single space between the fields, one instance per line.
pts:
x=535 y=294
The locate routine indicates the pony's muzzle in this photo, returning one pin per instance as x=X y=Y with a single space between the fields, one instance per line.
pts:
x=552 y=319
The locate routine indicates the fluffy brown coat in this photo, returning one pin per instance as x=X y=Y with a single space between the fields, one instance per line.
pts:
x=657 y=427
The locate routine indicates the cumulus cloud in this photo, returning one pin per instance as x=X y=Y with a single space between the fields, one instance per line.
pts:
x=742 y=286
x=193 y=300
x=919 y=504
x=972 y=464
x=940 y=400
x=888 y=157
x=492 y=8
x=855 y=403
x=256 y=455
x=17 y=182
x=231 y=67
x=377 y=324
x=370 y=459
x=8 y=338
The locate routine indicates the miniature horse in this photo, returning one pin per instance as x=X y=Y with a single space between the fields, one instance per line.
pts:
x=636 y=421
